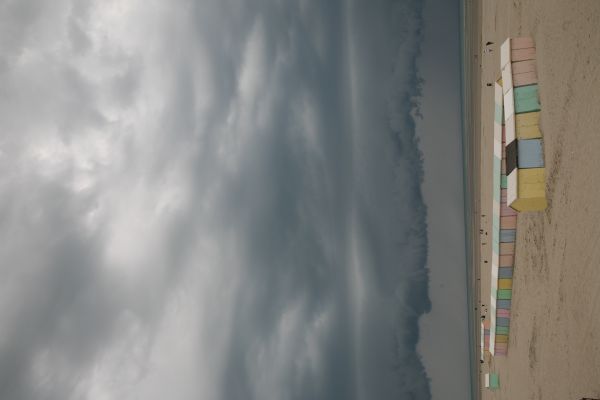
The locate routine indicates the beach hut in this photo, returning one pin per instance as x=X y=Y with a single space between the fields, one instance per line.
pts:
x=498 y=198
x=482 y=341
x=526 y=189
x=525 y=178
x=492 y=381
x=530 y=153
x=504 y=221
x=485 y=337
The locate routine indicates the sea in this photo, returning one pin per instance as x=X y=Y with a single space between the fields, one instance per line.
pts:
x=467 y=13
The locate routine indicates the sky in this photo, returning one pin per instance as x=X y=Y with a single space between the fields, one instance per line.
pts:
x=225 y=199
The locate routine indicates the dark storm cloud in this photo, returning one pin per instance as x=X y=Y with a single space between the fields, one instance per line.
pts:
x=248 y=170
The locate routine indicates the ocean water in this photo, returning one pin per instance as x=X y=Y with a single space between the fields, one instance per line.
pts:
x=466 y=13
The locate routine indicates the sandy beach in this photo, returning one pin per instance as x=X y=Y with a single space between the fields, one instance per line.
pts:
x=554 y=343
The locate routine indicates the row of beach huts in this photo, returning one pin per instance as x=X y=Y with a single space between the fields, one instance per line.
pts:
x=518 y=182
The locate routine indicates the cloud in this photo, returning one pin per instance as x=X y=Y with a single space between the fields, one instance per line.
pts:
x=211 y=199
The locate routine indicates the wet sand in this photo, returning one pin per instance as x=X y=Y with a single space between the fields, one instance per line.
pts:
x=554 y=343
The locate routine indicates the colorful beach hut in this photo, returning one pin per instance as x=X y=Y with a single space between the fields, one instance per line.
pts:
x=524 y=145
x=485 y=337
x=504 y=233
x=492 y=381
